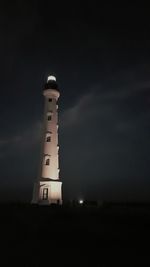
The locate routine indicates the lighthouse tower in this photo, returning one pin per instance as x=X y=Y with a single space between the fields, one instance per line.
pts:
x=48 y=187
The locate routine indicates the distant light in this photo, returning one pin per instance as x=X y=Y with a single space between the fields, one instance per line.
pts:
x=81 y=201
x=51 y=78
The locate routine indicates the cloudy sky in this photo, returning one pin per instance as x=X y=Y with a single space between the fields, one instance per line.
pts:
x=101 y=58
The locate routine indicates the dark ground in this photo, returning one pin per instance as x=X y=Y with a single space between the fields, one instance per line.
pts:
x=107 y=235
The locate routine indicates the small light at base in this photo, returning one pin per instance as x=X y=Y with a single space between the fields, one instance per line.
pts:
x=51 y=78
x=81 y=201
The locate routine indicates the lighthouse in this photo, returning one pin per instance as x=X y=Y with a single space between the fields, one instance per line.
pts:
x=48 y=187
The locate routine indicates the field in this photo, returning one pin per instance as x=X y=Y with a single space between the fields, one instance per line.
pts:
x=106 y=235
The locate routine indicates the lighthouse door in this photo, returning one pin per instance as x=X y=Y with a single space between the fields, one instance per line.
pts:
x=45 y=193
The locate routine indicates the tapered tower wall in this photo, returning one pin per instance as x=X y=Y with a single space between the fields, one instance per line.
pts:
x=48 y=189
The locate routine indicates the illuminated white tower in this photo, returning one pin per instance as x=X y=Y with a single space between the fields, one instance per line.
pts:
x=47 y=188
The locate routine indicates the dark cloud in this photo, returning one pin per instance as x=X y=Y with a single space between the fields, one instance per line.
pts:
x=107 y=136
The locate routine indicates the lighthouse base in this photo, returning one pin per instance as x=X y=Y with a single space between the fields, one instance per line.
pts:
x=48 y=192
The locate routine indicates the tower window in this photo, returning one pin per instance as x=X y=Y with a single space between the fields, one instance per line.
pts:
x=48 y=139
x=47 y=162
x=49 y=117
x=50 y=100
x=45 y=193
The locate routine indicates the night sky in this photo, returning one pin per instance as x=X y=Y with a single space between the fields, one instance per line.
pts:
x=101 y=58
